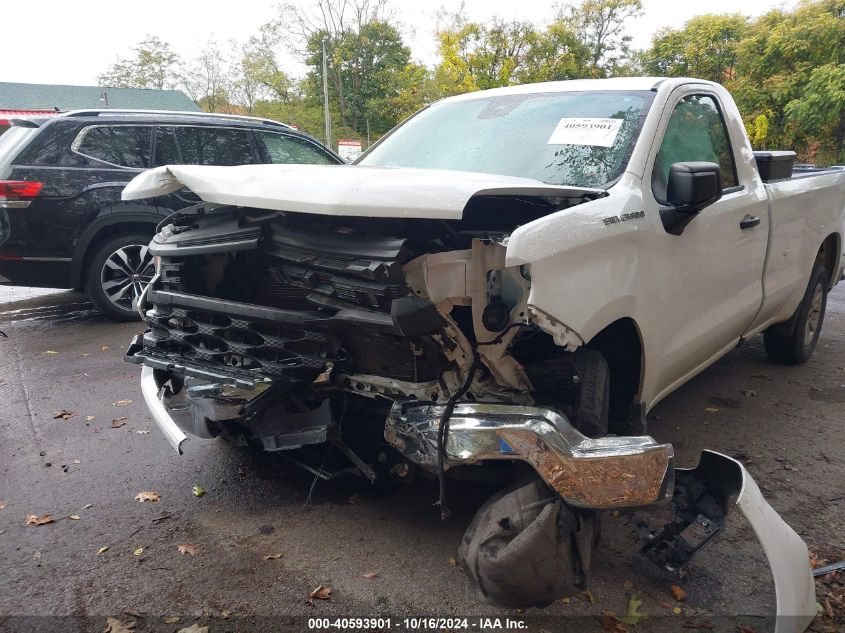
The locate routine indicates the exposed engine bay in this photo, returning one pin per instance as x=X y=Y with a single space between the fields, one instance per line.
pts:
x=294 y=308
x=412 y=335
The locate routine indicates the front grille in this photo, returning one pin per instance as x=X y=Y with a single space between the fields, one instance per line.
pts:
x=237 y=338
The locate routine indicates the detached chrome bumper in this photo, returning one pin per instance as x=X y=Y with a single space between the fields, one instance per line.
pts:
x=610 y=472
x=159 y=412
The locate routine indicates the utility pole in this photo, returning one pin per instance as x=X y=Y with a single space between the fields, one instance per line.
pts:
x=326 y=113
x=368 y=131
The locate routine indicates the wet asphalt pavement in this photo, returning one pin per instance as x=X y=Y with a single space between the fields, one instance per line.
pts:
x=784 y=423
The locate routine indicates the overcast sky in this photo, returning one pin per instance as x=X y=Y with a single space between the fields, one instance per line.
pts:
x=71 y=43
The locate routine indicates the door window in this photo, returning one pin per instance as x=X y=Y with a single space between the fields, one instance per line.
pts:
x=166 y=152
x=696 y=132
x=215 y=146
x=121 y=145
x=282 y=148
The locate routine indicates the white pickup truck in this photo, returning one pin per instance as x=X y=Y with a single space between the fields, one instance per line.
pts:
x=510 y=279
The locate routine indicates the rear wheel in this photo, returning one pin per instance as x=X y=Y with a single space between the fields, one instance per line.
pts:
x=796 y=347
x=118 y=272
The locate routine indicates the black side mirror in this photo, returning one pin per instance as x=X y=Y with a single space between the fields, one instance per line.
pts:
x=693 y=186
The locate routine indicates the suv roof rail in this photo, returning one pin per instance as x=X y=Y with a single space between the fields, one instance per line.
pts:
x=175 y=113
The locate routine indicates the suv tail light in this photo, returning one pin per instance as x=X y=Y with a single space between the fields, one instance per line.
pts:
x=17 y=194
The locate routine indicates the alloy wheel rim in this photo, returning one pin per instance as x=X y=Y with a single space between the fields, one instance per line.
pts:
x=125 y=274
x=814 y=316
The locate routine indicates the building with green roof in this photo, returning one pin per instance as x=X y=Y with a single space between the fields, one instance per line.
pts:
x=18 y=96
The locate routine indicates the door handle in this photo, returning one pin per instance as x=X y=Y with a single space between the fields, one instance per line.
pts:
x=749 y=222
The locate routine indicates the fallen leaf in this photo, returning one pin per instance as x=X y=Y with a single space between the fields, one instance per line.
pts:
x=104 y=348
x=34 y=519
x=138 y=551
x=76 y=461
x=371 y=576
x=88 y=418
x=147 y=496
x=143 y=432
x=121 y=403
x=50 y=352
x=103 y=549
x=565 y=600
x=118 y=422
x=198 y=491
x=2 y=505
x=116 y=626
x=451 y=560
x=64 y=414
x=36 y=555
x=73 y=517
x=85 y=354
x=171 y=619
x=679 y=593
x=321 y=593
x=633 y=617
x=711 y=410
x=589 y=596
x=86 y=506
x=749 y=393
x=226 y=614
x=273 y=556
x=610 y=624
x=194 y=628
x=677 y=610
x=187 y=548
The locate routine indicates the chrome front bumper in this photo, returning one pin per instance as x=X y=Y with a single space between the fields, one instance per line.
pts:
x=610 y=472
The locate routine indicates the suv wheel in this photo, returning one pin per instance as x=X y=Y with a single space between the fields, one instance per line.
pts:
x=119 y=270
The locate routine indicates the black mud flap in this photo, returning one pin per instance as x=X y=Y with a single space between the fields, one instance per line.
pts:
x=701 y=500
x=526 y=548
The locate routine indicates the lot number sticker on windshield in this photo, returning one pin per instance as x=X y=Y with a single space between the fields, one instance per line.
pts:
x=572 y=131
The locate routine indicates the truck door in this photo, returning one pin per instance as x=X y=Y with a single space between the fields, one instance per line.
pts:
x=710 y=276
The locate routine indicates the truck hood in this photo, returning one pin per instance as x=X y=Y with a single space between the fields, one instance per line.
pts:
x=343 y=190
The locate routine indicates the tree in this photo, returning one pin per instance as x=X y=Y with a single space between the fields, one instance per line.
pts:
x=154 y=65
x=706 y=47
x=818 y=115
x=256 y=74
x=600 y=25
x=207 y=81
x=366 y=56
x=478 y=56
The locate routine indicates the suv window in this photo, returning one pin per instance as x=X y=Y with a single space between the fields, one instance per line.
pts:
x=166 y=152
x=121 y=145
x=283 y=148
x=215 y=146
x=696 y=132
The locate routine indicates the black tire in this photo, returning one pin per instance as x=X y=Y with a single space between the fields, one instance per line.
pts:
x=796 y=347
x=117 y=272
x=591 y=414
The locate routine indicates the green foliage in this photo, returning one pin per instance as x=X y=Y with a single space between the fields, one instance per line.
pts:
x=784 y=69
x=706 y=48
x=153 y=66
x=600 y=27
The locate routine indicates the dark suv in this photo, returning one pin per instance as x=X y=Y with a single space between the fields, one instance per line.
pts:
x=62 y=222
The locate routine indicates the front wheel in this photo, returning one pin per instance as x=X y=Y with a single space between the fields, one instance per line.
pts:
x=118 y=272
x=797 y=346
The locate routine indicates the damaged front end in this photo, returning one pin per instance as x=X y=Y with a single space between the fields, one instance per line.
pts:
x=269 y=327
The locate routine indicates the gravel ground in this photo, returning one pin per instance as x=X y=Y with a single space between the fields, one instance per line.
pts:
x=61 y=355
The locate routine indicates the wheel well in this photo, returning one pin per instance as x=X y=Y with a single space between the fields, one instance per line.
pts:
x=829 y=256
x=105 y=233
x=620 y=344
